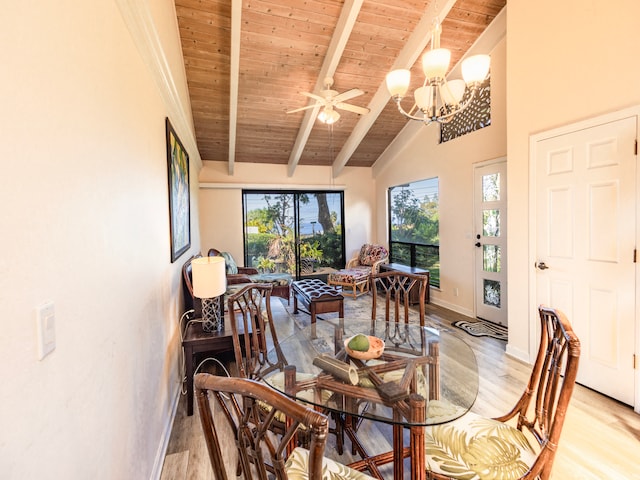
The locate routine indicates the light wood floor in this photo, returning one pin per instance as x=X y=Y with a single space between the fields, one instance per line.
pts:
x=600 y=439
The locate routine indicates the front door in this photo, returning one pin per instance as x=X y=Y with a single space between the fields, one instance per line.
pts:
x=490 y=240
x=585 y=248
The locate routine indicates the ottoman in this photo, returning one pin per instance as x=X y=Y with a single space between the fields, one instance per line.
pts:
x=317 y=297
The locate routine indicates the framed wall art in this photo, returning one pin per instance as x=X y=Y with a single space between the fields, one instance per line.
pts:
x=179 y=201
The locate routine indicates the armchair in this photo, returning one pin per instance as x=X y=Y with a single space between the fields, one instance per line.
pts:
x=359 y=269
x=369 y=258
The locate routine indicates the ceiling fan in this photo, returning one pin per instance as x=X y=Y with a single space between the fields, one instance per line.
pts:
x=330 y=100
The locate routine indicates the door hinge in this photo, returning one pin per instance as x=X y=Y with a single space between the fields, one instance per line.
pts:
x=636 y=149
x=635 y=254
x=635 y=362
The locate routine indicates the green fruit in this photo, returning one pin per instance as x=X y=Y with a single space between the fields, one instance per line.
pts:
x=359 y=342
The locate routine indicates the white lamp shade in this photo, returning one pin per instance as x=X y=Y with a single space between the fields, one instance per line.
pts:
x=398 y=82
x=453 y=91
x=476 y=68
x=423 y=97
x=435 y=63
x=209 y=277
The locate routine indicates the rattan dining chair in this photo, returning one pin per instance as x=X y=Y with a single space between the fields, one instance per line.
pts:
x=258 y=353
x=394 y=287
x=249 y=311
x=474 y=447
x=261 y=454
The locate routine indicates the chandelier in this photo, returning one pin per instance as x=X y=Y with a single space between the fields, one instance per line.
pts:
x=438 y=100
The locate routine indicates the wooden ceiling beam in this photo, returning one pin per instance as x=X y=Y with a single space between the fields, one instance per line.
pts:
x=345 y=24
x=407 y=57
x=236 y=17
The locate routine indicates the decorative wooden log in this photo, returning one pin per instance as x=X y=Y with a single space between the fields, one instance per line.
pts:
x=341 y=370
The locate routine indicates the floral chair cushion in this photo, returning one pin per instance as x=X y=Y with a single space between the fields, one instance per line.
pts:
x=350 y=275
x=370 y=254
x=473 y=448
x=297 y=467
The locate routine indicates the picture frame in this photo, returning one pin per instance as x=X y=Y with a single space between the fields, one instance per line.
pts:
x=179 y=193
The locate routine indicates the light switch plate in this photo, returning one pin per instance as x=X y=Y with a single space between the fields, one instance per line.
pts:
x=46 y=326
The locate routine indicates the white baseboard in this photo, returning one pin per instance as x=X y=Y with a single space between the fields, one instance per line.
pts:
x=517 y=353
x=156 y=473
x=453 y=307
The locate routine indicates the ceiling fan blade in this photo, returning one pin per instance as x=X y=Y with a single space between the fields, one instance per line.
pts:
x=348 y=95
x=302 y=108
x=314 y=96
x=352 y=108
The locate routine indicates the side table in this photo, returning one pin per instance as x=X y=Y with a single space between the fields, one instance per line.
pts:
x=195 y=341
x=399 y=267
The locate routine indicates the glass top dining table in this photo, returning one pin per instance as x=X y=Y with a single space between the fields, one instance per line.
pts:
x=422 y=376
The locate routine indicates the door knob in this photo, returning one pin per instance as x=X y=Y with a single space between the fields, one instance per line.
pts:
x=478 y=244
x=541 y=266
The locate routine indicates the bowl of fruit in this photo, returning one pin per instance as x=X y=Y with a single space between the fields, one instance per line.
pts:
x=364 y=347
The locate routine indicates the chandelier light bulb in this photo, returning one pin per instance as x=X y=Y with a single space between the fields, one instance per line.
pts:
x=435 y=63
x=476 y=68
x=423 y=96
x=452 y=92
x=398 y=82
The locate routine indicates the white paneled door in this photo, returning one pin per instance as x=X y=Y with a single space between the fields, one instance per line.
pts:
x=490 y=241
x=585 y=246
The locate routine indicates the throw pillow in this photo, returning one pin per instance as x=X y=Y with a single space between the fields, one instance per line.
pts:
x=230 y=264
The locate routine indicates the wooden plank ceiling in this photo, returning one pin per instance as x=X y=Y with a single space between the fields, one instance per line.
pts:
x=290 y=46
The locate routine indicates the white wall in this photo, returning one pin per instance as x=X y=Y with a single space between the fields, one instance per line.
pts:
x=567 y=61
x=221 y=202
x=452 y=162
x=83 y=202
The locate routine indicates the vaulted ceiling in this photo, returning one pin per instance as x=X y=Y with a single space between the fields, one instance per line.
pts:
x=247 y=62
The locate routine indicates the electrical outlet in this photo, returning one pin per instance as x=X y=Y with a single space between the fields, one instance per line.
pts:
x=46 y=326
x=456 y=292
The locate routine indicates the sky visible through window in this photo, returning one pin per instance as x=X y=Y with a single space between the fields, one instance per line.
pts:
x=308 y=215
x=407 y=206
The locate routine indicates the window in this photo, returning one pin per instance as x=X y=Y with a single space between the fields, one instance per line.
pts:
x=414 y=226
x=297 y=232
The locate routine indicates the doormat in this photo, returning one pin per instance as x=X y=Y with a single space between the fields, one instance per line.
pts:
x=481 y=328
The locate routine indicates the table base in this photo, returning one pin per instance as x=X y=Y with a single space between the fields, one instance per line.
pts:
x=415 y=450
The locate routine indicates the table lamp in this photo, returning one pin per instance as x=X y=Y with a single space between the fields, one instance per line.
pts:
x=209 y=283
